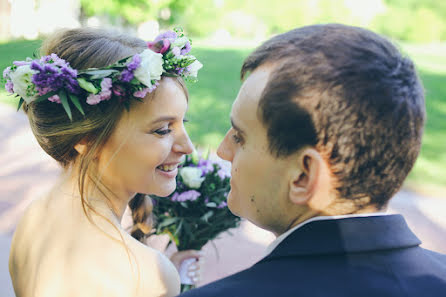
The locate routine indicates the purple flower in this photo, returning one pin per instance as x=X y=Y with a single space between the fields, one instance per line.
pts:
x=43 y=91
x=142 y=93
x=105 y=94
x=55 y=98
x=166 y=35
x=6 y=71
x=179 y=70
x=186 y=49
x=9 y=87
x=222 y=205
x=52 y=76
x=126 y=75
x=20 y=63
x=55 y=60
x=69 y=71
x=206 y=166
x=191 y=195
x=93 y=99
x=136 y=61
x=106 y=84
x=223 y=173
x=72 y=85
x=176 y=51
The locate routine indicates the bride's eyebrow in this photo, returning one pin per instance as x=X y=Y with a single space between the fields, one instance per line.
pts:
x=163 y=119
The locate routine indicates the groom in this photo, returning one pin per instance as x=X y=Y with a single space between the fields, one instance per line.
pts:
x=325 y=128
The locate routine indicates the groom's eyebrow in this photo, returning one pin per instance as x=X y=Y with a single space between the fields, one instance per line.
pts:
x=237 y=128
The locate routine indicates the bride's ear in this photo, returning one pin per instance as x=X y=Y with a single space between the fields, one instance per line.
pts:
x=310 y=181
x=81 y=147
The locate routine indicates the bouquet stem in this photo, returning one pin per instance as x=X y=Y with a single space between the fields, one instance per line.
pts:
x=185 y=288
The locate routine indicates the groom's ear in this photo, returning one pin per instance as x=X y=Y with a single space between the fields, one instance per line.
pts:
x=310 y=182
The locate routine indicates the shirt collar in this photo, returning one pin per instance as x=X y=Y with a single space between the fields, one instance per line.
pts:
x=280 y=238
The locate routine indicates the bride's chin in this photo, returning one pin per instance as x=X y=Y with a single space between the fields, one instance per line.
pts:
x=164 y=191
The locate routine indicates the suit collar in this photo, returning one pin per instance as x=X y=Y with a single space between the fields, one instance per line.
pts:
x=347 y=235
x=282 y=237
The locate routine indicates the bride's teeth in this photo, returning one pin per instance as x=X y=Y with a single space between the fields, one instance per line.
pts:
x=167 y=167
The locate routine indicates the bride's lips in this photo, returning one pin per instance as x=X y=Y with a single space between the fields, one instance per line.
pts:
x=169 y=173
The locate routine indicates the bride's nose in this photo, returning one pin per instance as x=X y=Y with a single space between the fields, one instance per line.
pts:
x=183 y=144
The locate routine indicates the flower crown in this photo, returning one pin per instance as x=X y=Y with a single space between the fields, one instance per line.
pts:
x=51 y=78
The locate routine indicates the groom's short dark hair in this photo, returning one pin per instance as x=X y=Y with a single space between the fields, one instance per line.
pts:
x=349 y=93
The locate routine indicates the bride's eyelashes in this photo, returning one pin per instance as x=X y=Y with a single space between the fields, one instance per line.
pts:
x=163 y=131
x=166 y=130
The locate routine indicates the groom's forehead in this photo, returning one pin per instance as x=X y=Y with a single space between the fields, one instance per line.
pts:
x=252 y=88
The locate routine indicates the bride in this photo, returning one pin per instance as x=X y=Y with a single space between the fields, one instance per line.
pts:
x=117 y=130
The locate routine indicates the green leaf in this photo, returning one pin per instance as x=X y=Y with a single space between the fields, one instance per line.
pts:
x=97 y=74
x=211 y=204
x=87 y=86
x=76 y=103
x=207 y=215
x=20 y=103
x=179 y=228
x=66 y=106
x=167 y=222
x=135 y=82
x=45 y=97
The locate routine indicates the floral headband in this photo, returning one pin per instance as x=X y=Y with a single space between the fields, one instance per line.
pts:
x=51 y=78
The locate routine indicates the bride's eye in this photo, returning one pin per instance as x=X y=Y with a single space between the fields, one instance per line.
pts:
x=163 y=131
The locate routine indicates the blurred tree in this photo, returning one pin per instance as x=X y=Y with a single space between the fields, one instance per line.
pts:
x=136 y=11
x=413 y=20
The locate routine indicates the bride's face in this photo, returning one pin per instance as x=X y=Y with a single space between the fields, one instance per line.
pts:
x=147 y=144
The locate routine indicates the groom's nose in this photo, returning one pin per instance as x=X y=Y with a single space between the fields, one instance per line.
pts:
x=224 y=149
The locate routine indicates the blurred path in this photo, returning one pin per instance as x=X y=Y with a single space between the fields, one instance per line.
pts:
x=26 y=172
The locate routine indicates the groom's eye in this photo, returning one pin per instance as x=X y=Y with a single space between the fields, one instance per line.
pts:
x=236 y=137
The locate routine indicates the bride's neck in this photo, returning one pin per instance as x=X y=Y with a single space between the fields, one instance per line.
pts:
x=102 y=198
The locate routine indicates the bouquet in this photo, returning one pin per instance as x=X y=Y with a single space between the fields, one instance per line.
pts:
x=197 y=211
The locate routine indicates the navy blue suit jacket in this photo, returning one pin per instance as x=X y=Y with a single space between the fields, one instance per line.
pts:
x=359 y=257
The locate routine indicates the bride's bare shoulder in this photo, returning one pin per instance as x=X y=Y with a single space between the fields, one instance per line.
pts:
x=159 y=276
x=84 y=258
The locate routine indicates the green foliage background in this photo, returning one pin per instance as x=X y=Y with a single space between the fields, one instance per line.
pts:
x=211 y=99
x=407 y=20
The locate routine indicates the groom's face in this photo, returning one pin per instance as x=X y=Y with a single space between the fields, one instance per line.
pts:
x=259 y=180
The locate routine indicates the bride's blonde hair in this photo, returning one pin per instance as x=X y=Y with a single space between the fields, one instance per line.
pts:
x=57 y=135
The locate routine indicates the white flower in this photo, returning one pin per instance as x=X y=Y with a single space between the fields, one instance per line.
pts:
x=180 y=42
x=21 y=78
x=151 y=67
x=192 y=177
x=192 y=69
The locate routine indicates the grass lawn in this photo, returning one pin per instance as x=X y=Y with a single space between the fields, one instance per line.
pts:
x=212 y=96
